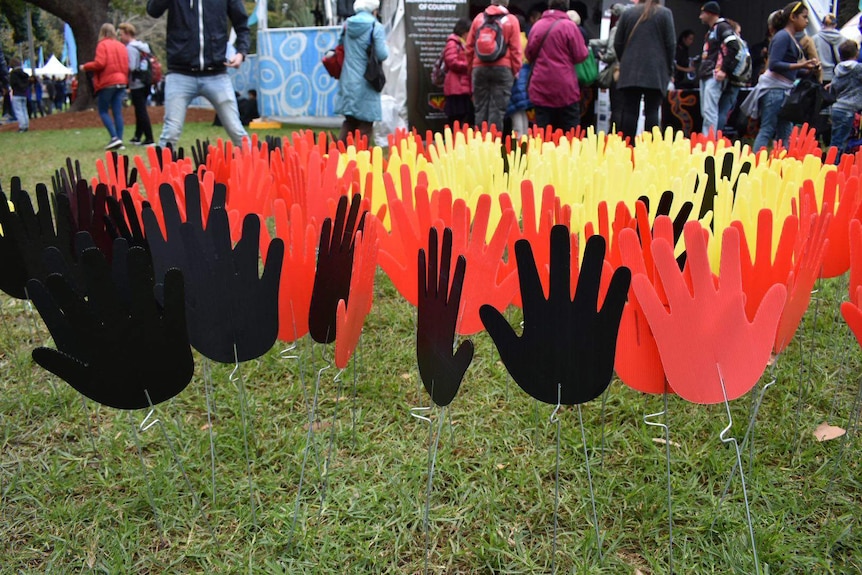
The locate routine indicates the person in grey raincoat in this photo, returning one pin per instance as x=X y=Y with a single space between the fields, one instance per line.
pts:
x=356 y=99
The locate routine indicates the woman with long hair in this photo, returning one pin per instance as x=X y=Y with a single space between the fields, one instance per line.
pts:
x=110 y=78
x=645 y=44
x=786 y=62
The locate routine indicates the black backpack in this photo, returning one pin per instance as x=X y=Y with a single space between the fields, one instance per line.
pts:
x=490 y=45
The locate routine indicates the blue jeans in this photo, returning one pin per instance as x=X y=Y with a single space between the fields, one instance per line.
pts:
x=771 y=128
x=842 y=126
x=181 y=89
x=112 y=99
x=710 y=94
x=19 y=106
x=725 y=105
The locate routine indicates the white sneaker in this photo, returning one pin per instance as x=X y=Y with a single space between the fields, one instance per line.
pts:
x=114 y=144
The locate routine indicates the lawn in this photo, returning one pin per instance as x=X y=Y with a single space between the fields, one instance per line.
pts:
x=78 y=498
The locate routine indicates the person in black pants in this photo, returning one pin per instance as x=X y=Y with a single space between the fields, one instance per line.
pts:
x=138 y=90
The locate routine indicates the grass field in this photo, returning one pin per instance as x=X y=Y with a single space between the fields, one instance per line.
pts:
x=75 y=498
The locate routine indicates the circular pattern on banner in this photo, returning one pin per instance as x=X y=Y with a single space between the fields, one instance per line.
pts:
x=296 y=96
x=271 y=76
x=293 y=47
x=325 y=41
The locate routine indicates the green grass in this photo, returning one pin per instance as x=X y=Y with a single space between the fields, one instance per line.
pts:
x=66 y=507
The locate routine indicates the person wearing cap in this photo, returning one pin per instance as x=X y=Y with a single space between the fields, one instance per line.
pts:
x=196 y=41
x=492 y=81
x=718 y=58
x=356 y=99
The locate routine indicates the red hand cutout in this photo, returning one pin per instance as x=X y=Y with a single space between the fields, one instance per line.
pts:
x=297 y=273
x=706 y=329
x=349 y=318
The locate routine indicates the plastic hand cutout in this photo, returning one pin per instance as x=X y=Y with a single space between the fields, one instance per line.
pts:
x=30 y=232
x=124 y=220
x=118 y=342
x=664 y=207
x=349 y=319
x=566 y=342
x=334 y=268
x=638 y=363
x=200 y=151
x=712 y=176
x=13 y=269
x=440 y=370
x=66 y=179
x=852 y=310
x=232 y=311
x=297 y=273
x=90 y=212
x=168 y=247
x=486 y=282
x=706 y=328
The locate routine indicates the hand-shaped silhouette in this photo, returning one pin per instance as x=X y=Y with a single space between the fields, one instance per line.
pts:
x=711 y=189
x=30 y=232
x=13 y=269
x=638 y=363
x=232 y=311
x=440 y=370
x=297 y=273
x=706 y=329
x=566 y=342
x=349 y=319
x=334 y=268
x=487 y=281
x=124 y=220
x=118 y=342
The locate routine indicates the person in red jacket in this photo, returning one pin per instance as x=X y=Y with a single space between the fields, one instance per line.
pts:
x=457 y=87
x=110 y=78
x=492 y=79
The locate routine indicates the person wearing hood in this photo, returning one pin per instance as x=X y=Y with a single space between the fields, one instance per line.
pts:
x=827 y=41
x=357 y=100
x=137 y=89
x=847 y=89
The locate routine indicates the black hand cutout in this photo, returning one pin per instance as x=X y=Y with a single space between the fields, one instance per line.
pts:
x=232 y=311
x=29 y=232
x=334 y=268
x=124 y=221
x=66 y=179
x=566 y=343
x=665 y=204
x=441 y=371
x=711 y=178
x=200 y=152
x=118 y=342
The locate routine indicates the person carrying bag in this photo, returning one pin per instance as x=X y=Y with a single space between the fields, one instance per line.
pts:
x=358 y=99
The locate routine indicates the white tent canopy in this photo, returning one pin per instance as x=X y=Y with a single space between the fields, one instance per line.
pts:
x=54 y=68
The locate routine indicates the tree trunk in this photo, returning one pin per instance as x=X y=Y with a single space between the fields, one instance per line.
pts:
x=85 y=17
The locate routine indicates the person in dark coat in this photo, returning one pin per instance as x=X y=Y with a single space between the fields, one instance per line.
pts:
x=645 y=44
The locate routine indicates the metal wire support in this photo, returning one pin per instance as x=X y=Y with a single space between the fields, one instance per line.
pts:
x=309 y=441
x=555 y=420
x=150 y=497
x=725 y=439
x=209 y=394
x=433 y=443
x=156 y=421
x=590 y=482
x=649 y=420
x=749 y=433
x=327 y=460
x=236 y=378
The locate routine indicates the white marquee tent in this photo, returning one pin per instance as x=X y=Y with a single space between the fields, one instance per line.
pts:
x=54 y=69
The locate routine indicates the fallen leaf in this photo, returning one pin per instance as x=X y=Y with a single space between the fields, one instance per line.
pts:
x=205 y=426
x=405 y=376
x=825 y=432
x=661 y=441
x=502 y=466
